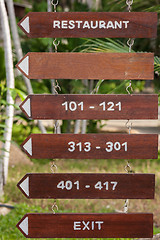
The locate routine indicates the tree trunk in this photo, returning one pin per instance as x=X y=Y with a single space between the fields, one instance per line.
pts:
x=10 y=102
x=98 y=4
x=18 y=49
x=84 y=126
x=77 y=126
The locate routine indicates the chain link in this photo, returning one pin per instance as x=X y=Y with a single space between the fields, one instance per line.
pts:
x=54 y=206
x=54 y=3
x=53 y=167
x=129 y=126
x=126 y=204
x=56 y=44
x=130 y=43
x=129 y=87
x=129 y=4
x=128 y=167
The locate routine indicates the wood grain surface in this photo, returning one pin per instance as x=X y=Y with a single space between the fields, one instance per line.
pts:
x=138 y=66
x=116 y=225
x=87 y=106
x=92 y=146
x=42 y=24
x=88 y=186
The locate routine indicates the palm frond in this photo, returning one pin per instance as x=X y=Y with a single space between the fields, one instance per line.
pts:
x=110 y=45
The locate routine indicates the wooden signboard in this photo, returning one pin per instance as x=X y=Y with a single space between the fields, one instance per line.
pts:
x=121 y=225
x=87 y=186
x=92 y=146
x=138 y=66
x=90 y=24
x=87 y=106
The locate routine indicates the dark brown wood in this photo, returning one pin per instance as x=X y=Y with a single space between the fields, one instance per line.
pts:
x=43 y=24
x=87 y=186
x=118 y=225
x=138 y=66
x=77 y=106
x=92 y=146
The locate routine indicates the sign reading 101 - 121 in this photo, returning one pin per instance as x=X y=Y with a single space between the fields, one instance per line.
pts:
x=90 y=106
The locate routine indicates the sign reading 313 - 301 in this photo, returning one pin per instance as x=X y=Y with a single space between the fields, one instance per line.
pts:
x=98 y=146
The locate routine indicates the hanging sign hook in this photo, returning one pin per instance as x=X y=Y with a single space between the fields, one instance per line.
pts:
x=54 y=3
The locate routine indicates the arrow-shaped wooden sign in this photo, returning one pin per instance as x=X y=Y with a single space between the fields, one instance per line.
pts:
x=87 y=186
x=92 y=146
x=90 y=24
x=87 y=106
x=136 y=66
x=121 y=225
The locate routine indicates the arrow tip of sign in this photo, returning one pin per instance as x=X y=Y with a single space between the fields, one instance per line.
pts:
x=24 y=65
x=28 y=146
x=27 y=107
x=24 y=225
x=25 y=24
x=25 y=186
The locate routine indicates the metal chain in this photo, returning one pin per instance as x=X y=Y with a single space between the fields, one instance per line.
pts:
x=54 y=166
x=128 y=167
x=55 y=86
x=54 y=169
x=130 y=43
x=56 y=44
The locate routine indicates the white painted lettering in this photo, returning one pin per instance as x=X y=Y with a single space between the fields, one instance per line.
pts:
x=92 y=225
x=102 y=24
x=86 y=25
x=79 y=23
x=126 y=23
x=99 y=224
x=110 y=24
x=94 y=26
x=118 y=24
x=77 y=226
x=56 y=24
x=85 y=225
x=64 y=24
x=71 y=24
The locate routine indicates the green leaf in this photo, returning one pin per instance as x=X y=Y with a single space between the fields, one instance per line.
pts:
x=15 y=92
x=21 y=94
